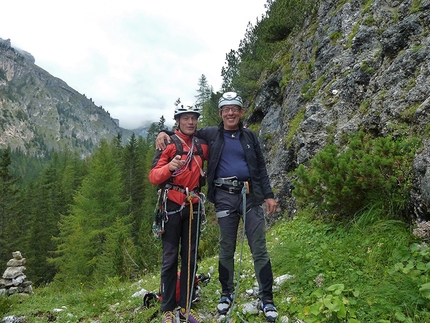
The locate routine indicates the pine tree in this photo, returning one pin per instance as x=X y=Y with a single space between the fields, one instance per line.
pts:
x=152 y=133
x=133 y=174
x=150 y=255
x=230 y=71
x=47 y=199
x=204 y=91
x=8 y=201
x=210 y=112
x=161 y=123
x=88 y=246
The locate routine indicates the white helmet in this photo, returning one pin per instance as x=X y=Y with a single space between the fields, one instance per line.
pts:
x=186 y=108
x=230 y=98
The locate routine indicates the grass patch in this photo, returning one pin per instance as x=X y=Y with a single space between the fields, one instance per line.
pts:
x=294 y=125
x=346 y=272
x=366 y=270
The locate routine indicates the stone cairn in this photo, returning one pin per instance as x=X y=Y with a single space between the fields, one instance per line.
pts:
x=13 y=280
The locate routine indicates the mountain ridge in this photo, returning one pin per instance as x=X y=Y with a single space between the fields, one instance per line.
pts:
x=42 y=113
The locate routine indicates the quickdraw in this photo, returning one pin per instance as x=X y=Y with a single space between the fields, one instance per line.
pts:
x=159 y=219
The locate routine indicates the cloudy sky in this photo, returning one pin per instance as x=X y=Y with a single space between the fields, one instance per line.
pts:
x=133 y=57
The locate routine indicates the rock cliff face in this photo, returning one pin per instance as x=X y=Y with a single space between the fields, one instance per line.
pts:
x=39 y=112
x=354 y=65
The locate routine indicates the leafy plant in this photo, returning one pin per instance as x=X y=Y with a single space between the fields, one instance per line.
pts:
x=415 y=264
x=330 y=304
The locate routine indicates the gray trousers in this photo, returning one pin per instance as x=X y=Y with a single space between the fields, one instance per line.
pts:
x=228 y=208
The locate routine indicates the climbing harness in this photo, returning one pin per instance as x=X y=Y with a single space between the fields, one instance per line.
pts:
x=162 y=216
x=231 y=185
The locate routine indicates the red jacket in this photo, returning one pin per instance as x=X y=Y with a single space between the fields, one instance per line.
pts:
x=160 y=172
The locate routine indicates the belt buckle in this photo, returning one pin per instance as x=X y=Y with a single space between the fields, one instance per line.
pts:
x=231 y=190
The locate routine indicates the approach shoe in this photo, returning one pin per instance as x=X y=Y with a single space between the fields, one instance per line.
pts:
x=168 y=317
x=269 y=311
x=192 y=316
x=224 y=304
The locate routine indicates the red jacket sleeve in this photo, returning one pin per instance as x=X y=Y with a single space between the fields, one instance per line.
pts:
x=160 y=171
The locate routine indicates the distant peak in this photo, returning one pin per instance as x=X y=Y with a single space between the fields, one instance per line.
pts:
x=20 y=51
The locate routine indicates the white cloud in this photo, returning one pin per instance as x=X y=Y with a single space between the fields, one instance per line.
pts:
x=134 y=58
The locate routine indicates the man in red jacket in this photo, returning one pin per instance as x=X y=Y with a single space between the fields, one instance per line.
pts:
x=178 y=172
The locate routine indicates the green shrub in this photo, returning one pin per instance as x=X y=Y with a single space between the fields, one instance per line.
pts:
x=367 y=172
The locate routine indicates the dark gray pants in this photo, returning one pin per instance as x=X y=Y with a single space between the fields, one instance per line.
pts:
x=229 y=212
